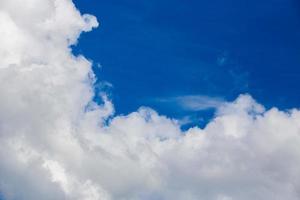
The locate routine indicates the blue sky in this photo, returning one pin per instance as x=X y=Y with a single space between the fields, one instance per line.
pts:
x=188 y=60
x=160 y=50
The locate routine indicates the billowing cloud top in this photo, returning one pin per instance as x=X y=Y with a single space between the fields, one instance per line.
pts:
x=55 y=143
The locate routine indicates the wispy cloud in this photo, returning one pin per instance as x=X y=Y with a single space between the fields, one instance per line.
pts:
x=194 y=102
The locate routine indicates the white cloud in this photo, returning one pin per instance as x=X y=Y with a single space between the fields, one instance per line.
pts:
x=53 y=147
x=194 y=102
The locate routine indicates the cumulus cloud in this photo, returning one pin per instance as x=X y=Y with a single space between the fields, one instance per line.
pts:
x=55 y=143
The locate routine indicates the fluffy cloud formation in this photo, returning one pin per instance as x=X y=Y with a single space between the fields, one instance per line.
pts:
x=55 y=143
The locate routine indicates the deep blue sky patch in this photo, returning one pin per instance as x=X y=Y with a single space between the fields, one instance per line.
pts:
x=162 y=49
